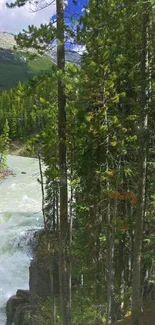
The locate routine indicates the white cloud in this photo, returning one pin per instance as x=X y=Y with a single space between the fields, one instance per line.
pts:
x=14 y=20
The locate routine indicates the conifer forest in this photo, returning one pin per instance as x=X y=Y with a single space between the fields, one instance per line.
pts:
x=92 y=126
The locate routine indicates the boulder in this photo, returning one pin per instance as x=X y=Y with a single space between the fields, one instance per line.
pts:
x=25 y=315
x=43 y=282
x=42 y=267
x=24 y=294
x=39 y=282
x=11 y=307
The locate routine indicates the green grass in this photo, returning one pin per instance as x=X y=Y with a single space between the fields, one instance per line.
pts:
x=17 y=66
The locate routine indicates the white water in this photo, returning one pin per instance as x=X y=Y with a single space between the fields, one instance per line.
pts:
x=20 y=211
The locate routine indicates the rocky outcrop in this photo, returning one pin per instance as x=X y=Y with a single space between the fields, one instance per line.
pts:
x=41 y=267
x=21 y=298
x=26 y=314
x=24 y=294
x=22 y=308
x=39 y=281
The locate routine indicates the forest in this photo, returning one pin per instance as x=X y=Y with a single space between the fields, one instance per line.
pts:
x=93 y=128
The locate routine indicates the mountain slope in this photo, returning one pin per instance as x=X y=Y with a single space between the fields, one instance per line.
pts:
x=16 y=66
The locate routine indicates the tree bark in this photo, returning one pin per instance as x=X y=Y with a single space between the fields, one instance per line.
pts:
x=42 y=190
x=110 y=260
x=110 y=239
x=63 y=230
x=142 y=173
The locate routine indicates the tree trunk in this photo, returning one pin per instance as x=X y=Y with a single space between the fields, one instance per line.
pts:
x=110 y=239
x=110 y=269
x=52 y=263
x=142 y=173
x=42 y=190
x=71 y=228
x=63 y=230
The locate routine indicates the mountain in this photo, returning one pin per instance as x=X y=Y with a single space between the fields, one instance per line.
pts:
x=70 y=55
x=16 y=66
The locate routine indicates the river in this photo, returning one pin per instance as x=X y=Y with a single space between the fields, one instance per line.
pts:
x=20 y=211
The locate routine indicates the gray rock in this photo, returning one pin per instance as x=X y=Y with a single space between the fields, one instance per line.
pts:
x=40 y=271
x=25 y=315
x=24 y=294
x=11 y=307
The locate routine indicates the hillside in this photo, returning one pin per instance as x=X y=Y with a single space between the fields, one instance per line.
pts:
x=16 y=66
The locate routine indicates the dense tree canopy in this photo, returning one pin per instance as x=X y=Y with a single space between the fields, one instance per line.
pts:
x=108 y=143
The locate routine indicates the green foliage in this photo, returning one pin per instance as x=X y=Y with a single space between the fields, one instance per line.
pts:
x=17 y=66
x=4 y=145
x=103 y=128
x=25 y=107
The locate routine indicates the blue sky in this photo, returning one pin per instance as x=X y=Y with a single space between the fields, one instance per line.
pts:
x=14 y=20
x=75 y=9
x=72 y=11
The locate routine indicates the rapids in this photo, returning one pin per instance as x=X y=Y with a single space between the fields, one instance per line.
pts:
x=20 y=212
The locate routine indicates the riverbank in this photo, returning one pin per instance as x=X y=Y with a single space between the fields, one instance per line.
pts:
x=5 y=173
x=18 y=148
